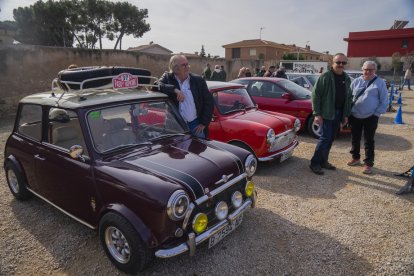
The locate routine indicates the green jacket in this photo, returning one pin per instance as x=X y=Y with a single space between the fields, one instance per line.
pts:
x=323 y=96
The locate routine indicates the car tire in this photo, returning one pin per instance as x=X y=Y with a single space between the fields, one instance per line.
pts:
x=17 y=182
x=313 y=129
x=122 y=244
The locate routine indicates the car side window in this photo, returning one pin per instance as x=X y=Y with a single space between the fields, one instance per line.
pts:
x=64 y=129
x=30 y=121
x=271 y=90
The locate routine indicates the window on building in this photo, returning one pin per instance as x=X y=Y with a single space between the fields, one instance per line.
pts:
x=404 y=44
x=235 y=53
x=252 y=51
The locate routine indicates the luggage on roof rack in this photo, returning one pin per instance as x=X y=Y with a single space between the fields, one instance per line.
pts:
x=74 y=77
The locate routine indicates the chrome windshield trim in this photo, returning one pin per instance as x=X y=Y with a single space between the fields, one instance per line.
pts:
x=184 y=247
x=276 y=155
x=63 y=211
x=220 y=189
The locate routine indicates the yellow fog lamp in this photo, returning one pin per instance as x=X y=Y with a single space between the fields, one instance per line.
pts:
x=249 y=188
x=200 y=223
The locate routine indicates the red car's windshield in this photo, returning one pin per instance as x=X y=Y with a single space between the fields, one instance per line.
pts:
x=231 y=100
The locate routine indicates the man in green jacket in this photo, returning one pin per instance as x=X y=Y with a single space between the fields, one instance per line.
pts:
x=331 y=103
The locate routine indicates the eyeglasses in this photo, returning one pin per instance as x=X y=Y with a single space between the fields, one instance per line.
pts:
x=339 y=62
x=368 y=69
x=184 y=65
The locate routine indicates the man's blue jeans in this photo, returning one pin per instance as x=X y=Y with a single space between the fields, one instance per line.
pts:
x=192 y=125
x=328 y=132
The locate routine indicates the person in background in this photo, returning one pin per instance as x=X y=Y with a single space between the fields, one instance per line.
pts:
x=270 y=71
x=244 y=72
x=407 y=78
x=280 y=73
x=223 y=73
x=261 y=72
x=190 y=94
x=206 y=72
x=331 y=104
x=370 y=100
x=215 y=75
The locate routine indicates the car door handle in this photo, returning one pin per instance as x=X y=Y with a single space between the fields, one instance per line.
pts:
x=37 y=156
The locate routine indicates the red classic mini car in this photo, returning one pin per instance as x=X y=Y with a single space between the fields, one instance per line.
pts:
x=238 y=121
x=145 y=184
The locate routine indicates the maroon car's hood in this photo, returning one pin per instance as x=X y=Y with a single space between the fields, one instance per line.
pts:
x=193 y=163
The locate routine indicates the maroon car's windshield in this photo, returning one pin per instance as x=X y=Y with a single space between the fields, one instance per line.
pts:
x=133 y=124
x=232 y=100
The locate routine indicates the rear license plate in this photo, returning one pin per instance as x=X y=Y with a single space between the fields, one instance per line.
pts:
x=286 y=155
x=225 y=231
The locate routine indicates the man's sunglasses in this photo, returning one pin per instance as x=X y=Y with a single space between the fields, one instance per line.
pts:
x=339 y=62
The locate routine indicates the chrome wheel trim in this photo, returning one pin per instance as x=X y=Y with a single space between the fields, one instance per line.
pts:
x=316 y=129
x=14 y=183
x=117 y=245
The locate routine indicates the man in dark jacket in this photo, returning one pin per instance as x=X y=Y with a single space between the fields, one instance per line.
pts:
x=190 y=94
x=331 y=103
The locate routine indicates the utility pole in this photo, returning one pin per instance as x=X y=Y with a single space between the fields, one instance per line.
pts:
x=261 y=28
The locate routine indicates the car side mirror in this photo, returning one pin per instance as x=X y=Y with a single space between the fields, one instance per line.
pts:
x=287 y=96
x=76 y=152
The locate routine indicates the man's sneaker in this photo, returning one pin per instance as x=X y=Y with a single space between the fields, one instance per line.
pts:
x=367 y=170
x=328 y=166
x=316 y=169
x=354 y=162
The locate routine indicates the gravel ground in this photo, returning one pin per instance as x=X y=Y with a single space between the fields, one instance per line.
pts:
x=342 y=223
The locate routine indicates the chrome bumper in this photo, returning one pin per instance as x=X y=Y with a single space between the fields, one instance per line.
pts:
x=194 y=241
x=277 y=155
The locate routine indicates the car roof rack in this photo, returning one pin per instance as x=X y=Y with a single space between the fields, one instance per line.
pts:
x=67 y=86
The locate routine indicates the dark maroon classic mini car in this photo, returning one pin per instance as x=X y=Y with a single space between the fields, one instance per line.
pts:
x=123 y=162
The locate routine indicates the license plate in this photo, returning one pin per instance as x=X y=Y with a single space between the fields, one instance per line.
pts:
x=225 y=231
x=286 y=155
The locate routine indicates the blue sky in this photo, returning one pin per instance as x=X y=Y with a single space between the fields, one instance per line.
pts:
x=185 y=25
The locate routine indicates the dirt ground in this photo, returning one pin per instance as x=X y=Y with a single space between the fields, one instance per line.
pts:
x=342 y=223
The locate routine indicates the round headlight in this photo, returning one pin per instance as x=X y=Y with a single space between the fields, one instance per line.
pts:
x=250 y=165
x=221 y=210
x=177 y=205
x=270 y=136
x=297 y=125
x=249 y=188
x=200 y=223
x=237 y=199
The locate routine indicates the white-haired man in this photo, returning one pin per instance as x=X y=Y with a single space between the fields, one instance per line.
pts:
x=190 y=94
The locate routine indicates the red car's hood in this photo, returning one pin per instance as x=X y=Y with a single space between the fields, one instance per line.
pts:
x=277 y=121
x=195 y=164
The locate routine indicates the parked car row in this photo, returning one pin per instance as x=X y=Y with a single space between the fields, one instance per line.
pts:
x=120 y=159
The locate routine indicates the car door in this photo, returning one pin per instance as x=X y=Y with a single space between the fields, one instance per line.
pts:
x=215 y=131
x=270 y=97
x=64 y=181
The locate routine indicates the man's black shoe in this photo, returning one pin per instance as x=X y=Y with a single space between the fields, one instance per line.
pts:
x=328 y=166
x=316 y=169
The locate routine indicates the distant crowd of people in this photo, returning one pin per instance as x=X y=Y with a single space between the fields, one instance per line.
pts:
x=272 y=71
x=218 y=74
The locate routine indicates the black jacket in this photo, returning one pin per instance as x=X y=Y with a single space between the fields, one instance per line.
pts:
x=202 y=97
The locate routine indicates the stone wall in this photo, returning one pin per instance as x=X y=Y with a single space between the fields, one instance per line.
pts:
x=28 y=69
